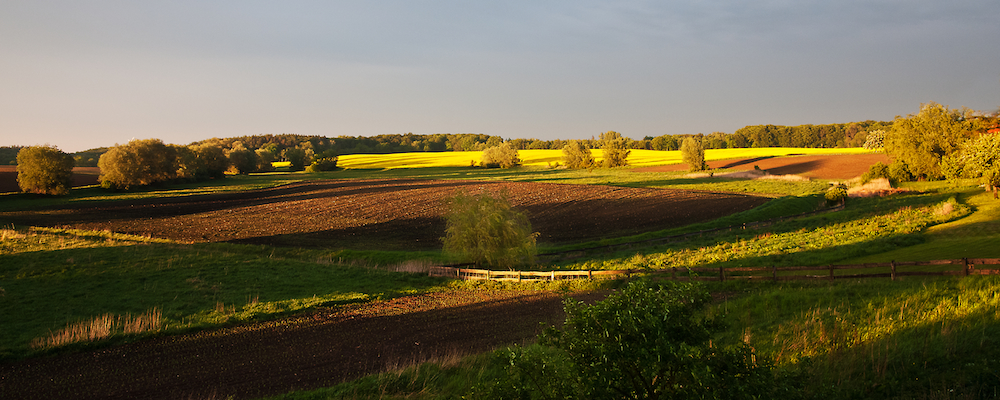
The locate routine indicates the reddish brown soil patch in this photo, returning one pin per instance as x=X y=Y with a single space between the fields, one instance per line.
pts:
x=257 y=360
x=82 y=176
x=821 y=167
x=388 y=214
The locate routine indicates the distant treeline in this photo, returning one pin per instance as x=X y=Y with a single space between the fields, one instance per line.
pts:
x=831 y=135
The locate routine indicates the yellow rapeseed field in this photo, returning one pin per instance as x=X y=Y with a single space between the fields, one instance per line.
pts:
x=637 y=158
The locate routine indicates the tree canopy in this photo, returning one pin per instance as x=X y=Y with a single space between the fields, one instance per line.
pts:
x=921 y=140
x=44 y=170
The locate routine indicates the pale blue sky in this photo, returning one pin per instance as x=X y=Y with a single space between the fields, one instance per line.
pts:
x=83 y=74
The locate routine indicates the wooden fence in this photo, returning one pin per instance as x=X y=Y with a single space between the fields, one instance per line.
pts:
x=892 y=270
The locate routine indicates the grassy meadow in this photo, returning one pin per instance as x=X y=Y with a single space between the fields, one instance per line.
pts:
x=933 y=338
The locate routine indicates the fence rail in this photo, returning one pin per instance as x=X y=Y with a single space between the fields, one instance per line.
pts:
x=965 y=267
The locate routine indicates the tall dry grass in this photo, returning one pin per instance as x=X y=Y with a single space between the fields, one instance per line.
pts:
x=102 y=327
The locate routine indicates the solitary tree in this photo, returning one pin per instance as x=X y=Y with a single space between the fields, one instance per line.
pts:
x=485 y=230
x=693 y=153
x=615 y=149
x=577 y=156
x=44 y=170
x=138 y=163
x=502 y=156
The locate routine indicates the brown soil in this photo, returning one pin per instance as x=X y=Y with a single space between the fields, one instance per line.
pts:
x=82 y=176
x=387 y=214
x=264 y=359
x=820 y=167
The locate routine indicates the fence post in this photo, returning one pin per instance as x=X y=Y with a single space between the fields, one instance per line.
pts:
x=553 y=277
x=831 y=272
x=774 y=273
x=722 y=275
x=892 y=265
x=673 y=273
x=518 y=276
x=488 y=275
x=590 y=274
x=965 y=266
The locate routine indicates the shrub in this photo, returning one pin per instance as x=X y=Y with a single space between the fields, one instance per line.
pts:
x=502 y=156
x=485 y=230
x=577 y=156
x=877 y=170
x=615 y=149
x=899 y=172
x=44 y=170
x=643 y=342
x=693 y=153
x=323 y=164
x=836 y=195
x=138 y=163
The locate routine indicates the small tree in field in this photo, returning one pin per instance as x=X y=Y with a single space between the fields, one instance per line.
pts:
x=615 y=148
x=485 y=230
x=138 y=163
x=502 y=156
x=577 y=156
x=44 y=170
x=693 y=153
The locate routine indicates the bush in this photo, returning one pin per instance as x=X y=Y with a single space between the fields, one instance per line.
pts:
x=899 y=172
x=323 y=164
x=502 y=156
x=577 y=156
x=615 y=149
x=836 y=195
x=643 y=342
x=138 y=163
x=44 y=170
x=877 y=170
x=693 y=153
x=485 y=230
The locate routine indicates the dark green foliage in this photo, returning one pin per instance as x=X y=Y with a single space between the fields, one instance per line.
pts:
x=44 y=170
x=693 y=153
x=323 y=164
x=978 y=158
x=900 y=172
x=833 y=135
x=138 y=163
x=615 y=149
x=201 y=162
x=485 y=230
x=502 y=156
x=644 y=342
x=242 y=160
x=877 y=170
x=8 y=154
x=836 y=195
x=89 y=158
x=577 y=156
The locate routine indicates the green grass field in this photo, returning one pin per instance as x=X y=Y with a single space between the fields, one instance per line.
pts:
x=914 y=338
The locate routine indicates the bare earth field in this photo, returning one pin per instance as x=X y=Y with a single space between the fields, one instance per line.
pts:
x=819 y=167
x=322 y=349
x=387 y=214
x=82 y=176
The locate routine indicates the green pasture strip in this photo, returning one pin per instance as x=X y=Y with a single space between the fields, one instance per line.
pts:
x=48 y=280
x=974 y=236
x=913 y=338
x=865 y=227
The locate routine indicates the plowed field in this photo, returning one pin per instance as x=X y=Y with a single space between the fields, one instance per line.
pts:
x=821 y=167
x=387 y=214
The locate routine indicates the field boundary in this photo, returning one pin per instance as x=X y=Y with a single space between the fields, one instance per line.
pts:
x=577 y=253
x=966 y=267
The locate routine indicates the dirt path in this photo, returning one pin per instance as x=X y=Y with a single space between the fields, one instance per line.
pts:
x=319 y=350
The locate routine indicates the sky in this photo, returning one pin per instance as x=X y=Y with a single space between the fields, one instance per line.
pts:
x=85 y=74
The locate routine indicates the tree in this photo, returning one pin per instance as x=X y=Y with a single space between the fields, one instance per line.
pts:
x=502 y=156
x=485 y=230
x=693 y=153
x=615 y=149
x=44 y=170
x=138 y=163
x=242 y=160
x=922 y=140
x=875 y=140
x=645 y=341
x=978 y=158
x=577 y=156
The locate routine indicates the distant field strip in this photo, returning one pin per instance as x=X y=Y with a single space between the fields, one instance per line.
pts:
x=637 y=158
